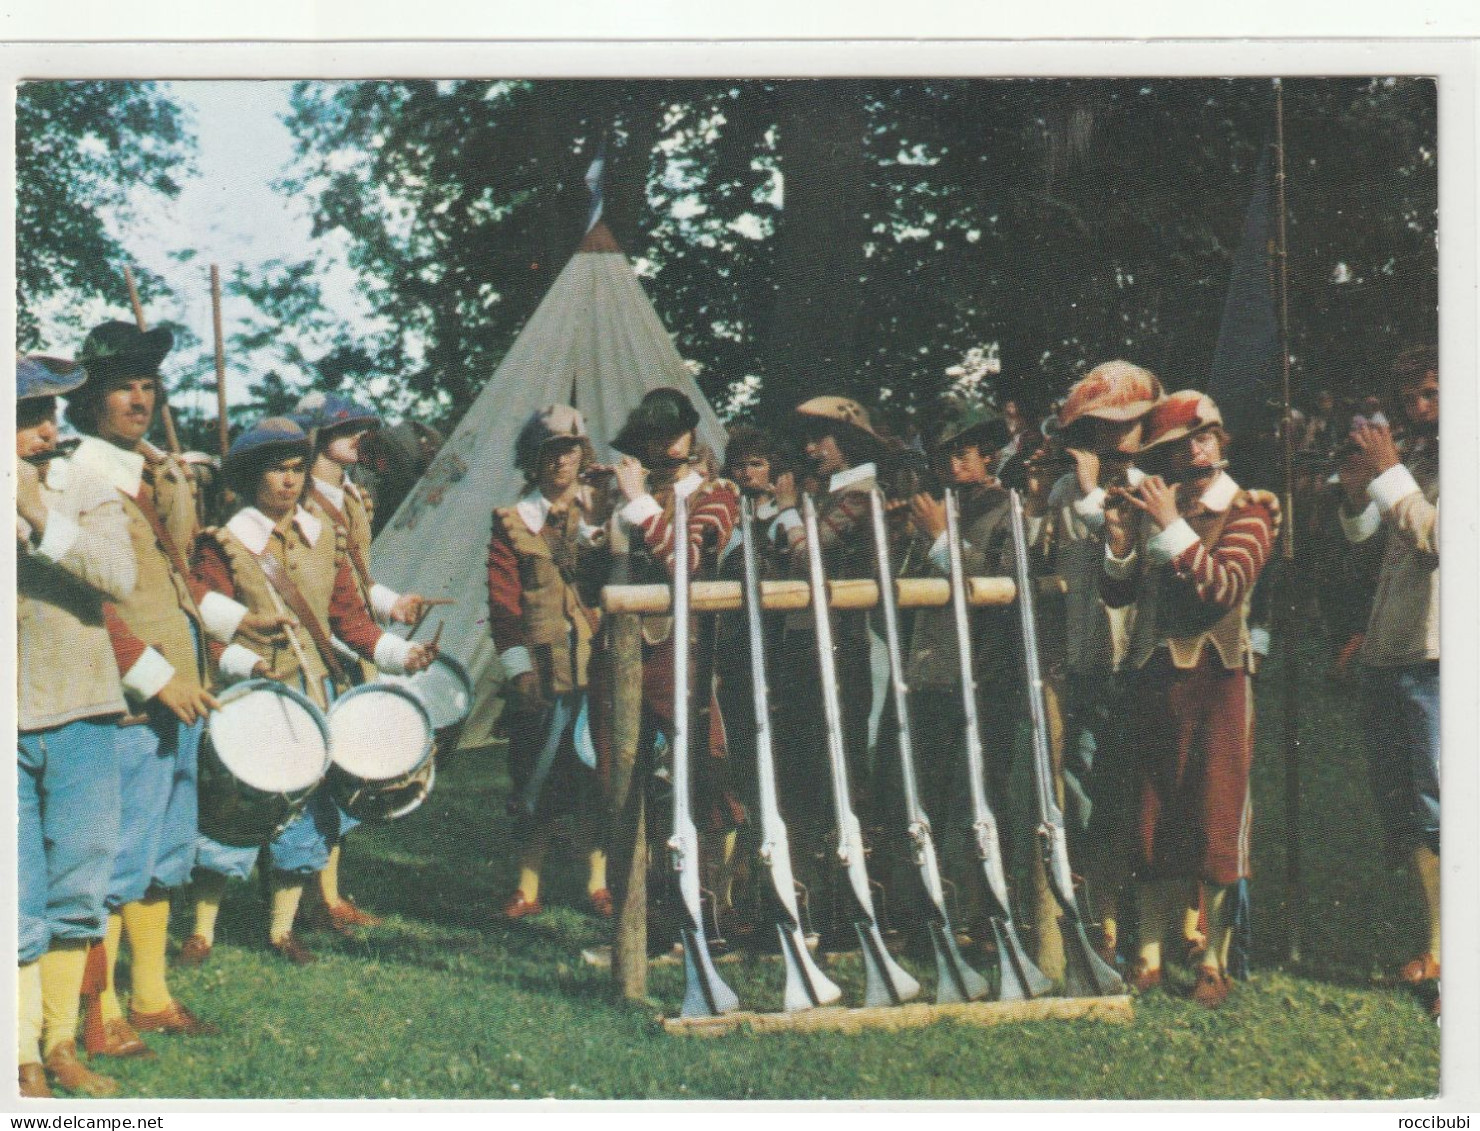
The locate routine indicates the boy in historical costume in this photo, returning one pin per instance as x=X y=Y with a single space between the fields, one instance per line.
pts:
x=282 y=561
x=72 y=554
x=1187 y=548
x=661 y=459
x=1100 y=423
x=1398 y=489
x=546 y=562
x=336 y=425
x=160 y=632
x=843 y=451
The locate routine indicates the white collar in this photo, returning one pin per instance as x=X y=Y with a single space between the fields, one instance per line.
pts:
x=686 y=486
x=533 y=508
x=119 y=468
x=253 y=528
x=848 y=477
x=1219 y=495
x=334 y=494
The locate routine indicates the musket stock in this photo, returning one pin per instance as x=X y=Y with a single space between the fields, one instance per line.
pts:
x=806 y=985
x=1018 y=977
x=1085 y=973
x=887 y=982
x=955 y=980
x=705 y=993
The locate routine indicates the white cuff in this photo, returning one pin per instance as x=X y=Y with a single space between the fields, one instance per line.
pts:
x=61 y=535
x=1259 y=641
x=238 y=662
x=1395 y=483
x=382 y=600
x=1360 y=527
x=1169 y=544
x=391 y=653
x=22 y=529
x=222 y=616
x=516 y=661
x=150 y=673
x=640 y=509
x=1091 y=509
x=940 y=554
x=1119 y=569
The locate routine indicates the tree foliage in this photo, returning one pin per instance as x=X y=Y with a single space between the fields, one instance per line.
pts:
x=862 y=236
x=85 y=151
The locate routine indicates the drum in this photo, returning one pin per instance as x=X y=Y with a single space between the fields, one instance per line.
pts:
x=380 y=747
x=446 y=691
x=264 y=753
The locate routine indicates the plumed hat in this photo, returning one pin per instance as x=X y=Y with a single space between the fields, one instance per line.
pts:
x=1115 y=390
x=843 y=413
x=1177 y=417
x=121 y=349
x=981 y=426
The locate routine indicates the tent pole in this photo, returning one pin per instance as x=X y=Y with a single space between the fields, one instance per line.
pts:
x=1290 y=588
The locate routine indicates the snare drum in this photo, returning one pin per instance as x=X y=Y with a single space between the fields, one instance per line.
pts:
x=446 y=690
x=380 y=747
x=265 y=751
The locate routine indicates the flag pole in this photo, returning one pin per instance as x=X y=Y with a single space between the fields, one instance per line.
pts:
x=164 y=409
x=1290 y=585
x=221 y=428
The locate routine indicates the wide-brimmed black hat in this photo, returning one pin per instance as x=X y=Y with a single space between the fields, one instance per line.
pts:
x=121 y=349
x=982 y=426
x=664 y=414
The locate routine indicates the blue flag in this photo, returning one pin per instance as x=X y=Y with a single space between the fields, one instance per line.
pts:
x=1246 y=371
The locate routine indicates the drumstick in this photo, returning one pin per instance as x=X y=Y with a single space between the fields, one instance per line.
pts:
x=436 y=636
x=293 y=640
x=426 y=607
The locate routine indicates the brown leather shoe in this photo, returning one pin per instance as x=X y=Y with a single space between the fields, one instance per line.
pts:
x=174 y=1019
x=1143 y=978
x=33 y=1082
x=118 y=1039
x=294 y=951
x=518 y=907
x=194 y=953
x=342 y=918
x=601 y=903
x=71 y=1075
x=1424 y=968
x=348 y=913
x=1212 y=988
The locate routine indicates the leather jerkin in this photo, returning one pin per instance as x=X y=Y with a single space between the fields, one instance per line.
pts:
x=280 y=581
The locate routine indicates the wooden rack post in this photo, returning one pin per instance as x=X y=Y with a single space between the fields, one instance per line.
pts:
x=628 y=811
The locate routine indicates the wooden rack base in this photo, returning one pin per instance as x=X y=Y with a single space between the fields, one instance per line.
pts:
x=915 y=1015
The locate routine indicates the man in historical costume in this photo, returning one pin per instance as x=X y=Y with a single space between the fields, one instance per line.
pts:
x=159 y=635
x=963 y=453
x=336 y=425
x=282 y=561
x=1100 y=425
x=1187 y=547
x=72 y=554
x=843 y=451
x=1397 y=490
x=661 y=459
x=546 y=562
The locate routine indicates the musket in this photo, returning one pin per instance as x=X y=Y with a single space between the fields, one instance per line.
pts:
x=1085 y=973
x=887 y=982
x=806 y=985
x=705 y=993
x=1018 y=977
x=955 y=980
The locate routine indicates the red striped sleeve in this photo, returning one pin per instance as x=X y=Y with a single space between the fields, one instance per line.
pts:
x=1224 y=575
x=505 y=592
x=714 y=509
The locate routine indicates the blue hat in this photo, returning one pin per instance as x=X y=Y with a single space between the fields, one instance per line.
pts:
x=37 y=376
x=275 y=432
x=323 y=411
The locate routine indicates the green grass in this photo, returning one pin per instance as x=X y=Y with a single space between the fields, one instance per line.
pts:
x=446 y=1001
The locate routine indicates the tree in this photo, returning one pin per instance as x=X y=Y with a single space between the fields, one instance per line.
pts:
x=85 y=151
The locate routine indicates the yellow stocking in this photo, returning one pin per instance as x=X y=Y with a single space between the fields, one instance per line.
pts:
x=61 y=988
x=530 y=862
x=28 y=1014
x=1426 y=864
x=112 y=943
x=210 y=889
x=285 y=899
x=1220 y=925
x=1158 y=902
x=148 y=925
x=329 y=880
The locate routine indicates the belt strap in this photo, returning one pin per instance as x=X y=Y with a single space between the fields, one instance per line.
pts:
x=146 y=507
x=290 y=594
x=337 y=517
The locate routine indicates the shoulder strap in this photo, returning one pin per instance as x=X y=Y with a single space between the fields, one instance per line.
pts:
x=341 y=524
x=146 y=508
x=278 y=578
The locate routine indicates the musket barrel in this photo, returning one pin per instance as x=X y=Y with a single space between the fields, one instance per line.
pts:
x=792 y=596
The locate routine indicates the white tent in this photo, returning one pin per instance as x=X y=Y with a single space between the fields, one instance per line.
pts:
x=595 y=342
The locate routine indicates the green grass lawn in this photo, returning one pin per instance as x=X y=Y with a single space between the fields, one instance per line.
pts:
x=447 y=1001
